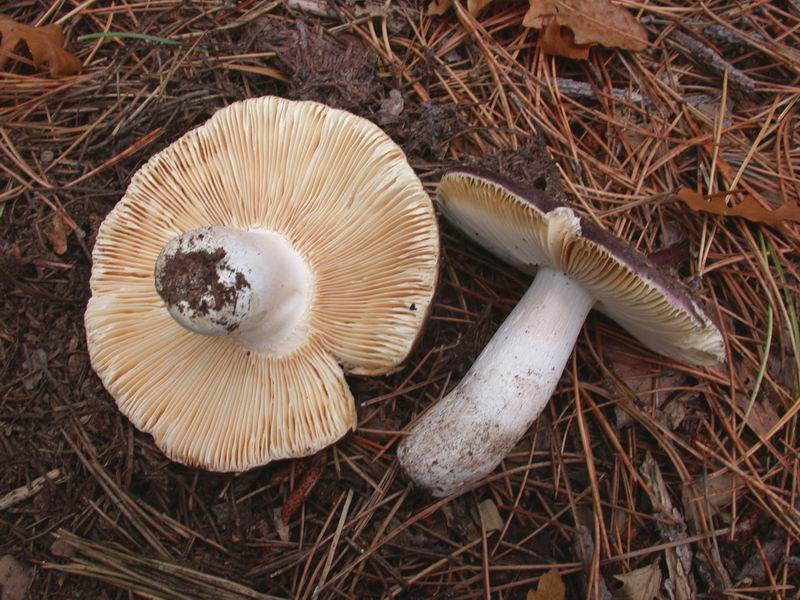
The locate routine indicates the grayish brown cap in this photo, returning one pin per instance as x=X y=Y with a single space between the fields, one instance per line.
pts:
x=527 y=229
x=341 y=194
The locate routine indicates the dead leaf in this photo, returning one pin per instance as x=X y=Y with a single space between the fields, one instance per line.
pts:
x=762 y=417
x=641 y=584
x=560 y=41
x=591 y=22
x=490 y=515
x=551 y=587
x=280 y=525
x=712 y=493
x=570 y=27
x=14 y=579
x=748 y=208
x=651 y=384
x=46 y=45
x=391 y=108
x=57 y=234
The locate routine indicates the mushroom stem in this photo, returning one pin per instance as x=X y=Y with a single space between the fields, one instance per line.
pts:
x=249 y=284
x=466 y=435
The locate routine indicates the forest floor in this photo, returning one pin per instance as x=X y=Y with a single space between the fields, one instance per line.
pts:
x=644 y=476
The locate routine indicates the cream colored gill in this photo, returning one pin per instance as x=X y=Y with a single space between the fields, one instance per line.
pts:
x=207 y=401
x=342 y=195
x=333 y=184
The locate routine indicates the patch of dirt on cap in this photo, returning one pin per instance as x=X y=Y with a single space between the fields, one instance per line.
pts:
x=194 y=278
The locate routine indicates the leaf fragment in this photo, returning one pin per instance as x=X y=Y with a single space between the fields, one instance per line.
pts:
x=57 y=234
x=46 y=45
x=551 y=587
x=560 y=41
x=641 y=584
x=748 y=208
x=570 y=27
x=492 y=521
x=590 y=21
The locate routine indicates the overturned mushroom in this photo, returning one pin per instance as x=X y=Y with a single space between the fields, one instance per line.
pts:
x=580 y=267
x=247 y=262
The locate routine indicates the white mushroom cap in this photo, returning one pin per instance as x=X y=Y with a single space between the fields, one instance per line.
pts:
x=338 y=193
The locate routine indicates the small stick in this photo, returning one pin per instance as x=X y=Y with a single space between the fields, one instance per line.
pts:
x=26 y=491
x=583 y=90
x=714 y=61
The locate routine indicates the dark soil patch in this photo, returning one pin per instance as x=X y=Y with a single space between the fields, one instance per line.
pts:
x=193 y=278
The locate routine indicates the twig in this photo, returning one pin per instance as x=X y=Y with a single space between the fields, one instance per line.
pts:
x=27 y=491
x=712 y=60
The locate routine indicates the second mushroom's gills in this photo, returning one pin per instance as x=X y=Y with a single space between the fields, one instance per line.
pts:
x=466 y=435
x=250 y=266
x=250 y=284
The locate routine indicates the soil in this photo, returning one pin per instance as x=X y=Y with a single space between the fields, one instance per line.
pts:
x=192 y=279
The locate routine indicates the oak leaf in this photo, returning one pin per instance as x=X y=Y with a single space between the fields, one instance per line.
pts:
x=590 y=21
x=570 y=27
x=748 y=208
x=558 y=40
x=46 y=45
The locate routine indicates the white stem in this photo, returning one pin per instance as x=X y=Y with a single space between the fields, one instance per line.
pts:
x=251 y=285
x=466 y=435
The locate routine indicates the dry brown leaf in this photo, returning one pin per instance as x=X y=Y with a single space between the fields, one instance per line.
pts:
x=641 y=584
x=708 y=494
x=550 y=587
x=57 y=234
x=762 y=417
x=46 y=45
x=651 y=384
x=560 y=41
x=591 y=22
x=570 y=27
x=748 y=208
x=492 y=521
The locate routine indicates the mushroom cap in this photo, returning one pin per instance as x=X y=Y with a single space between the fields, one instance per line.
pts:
x=342 y=194
x=527 y=229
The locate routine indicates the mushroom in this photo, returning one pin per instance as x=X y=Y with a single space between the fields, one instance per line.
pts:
x=580 y=267
x=245 y=263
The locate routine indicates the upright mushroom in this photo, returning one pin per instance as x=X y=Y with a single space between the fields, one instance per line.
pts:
x=242 y=264
x=580 y=266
